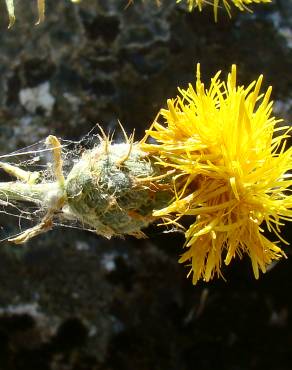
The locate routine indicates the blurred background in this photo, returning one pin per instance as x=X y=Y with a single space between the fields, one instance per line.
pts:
x=70 y=300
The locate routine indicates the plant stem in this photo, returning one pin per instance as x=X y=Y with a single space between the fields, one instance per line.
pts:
x=33 y=193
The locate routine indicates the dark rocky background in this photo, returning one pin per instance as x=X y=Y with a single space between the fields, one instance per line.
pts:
x=70 y=300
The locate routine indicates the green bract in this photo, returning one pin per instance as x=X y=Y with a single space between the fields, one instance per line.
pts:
x=109 y=196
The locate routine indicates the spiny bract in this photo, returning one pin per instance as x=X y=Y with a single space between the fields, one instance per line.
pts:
x=231 y=172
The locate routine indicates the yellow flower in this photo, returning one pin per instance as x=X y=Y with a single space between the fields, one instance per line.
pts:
x=240 y=4
x=231 y=172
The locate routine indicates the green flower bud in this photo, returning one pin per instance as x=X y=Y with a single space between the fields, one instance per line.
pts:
x=110 y=190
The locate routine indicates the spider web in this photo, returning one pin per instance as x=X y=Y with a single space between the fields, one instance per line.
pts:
x=38 y=158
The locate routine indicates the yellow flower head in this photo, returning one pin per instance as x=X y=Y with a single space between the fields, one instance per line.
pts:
x=240 y=4
x=231 y=172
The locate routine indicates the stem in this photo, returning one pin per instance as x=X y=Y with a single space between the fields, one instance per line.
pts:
x=33 y=193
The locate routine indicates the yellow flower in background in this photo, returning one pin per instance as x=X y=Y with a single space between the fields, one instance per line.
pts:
x=11 y=11
x=231 y=173
x=240 y=4
x=41 y=10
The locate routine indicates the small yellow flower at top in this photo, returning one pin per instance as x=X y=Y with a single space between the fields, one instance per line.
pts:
x=240 y=4
x=232 y=173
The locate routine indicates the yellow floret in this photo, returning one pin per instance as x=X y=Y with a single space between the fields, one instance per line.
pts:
x=231 y=172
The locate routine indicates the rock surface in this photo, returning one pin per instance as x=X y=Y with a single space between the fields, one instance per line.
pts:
x=71 y=300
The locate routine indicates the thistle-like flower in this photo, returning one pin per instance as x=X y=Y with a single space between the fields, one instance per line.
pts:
x=240 y=4
x=232 y=173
